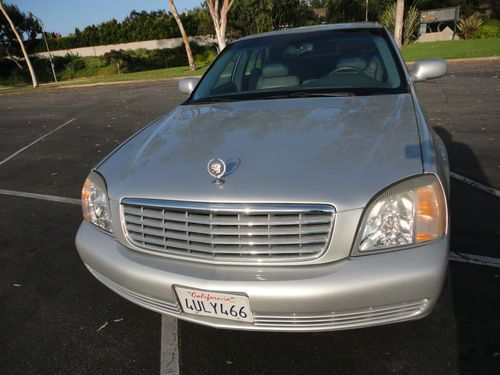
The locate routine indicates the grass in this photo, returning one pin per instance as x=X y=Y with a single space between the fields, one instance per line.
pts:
x=182 y=71
x=453 y=49
x=155 y=74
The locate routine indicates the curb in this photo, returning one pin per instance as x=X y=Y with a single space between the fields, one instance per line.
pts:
x=122 y=82
x=474 y=59
x=465 y=60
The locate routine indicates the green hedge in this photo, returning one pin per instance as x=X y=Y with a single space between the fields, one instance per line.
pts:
x=490 y=29
x=73 y=66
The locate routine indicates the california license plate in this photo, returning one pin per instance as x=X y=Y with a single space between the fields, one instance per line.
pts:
x=215 y=304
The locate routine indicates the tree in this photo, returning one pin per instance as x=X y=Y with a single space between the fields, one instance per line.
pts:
x=6 y=38
x=377 y=7
x=344 y=11
x=250 y=17
x=398 y=28
x=291 y=13
x=185 y=39
x=411 y=21
x=115 y=57
x=219 y=18
x=257 y=16
x=137 y=26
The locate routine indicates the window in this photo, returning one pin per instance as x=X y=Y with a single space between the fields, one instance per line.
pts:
x=358 y=61
x=227 y=73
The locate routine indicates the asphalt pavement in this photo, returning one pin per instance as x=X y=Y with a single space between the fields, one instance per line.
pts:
x=55 y=318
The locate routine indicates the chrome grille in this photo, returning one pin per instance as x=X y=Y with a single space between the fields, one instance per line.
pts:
x=238 y=232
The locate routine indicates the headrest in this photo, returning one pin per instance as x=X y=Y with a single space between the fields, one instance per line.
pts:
x=274 y=70
x=354 y=61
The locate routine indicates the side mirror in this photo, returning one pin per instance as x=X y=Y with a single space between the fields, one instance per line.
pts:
x=428 y=69
x=187 y=85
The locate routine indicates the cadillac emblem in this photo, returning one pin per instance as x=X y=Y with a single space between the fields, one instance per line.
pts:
x=217 y=169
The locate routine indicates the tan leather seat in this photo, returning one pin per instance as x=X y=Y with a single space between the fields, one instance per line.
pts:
x=371 y=67
x=276 y=76
x=374 y=69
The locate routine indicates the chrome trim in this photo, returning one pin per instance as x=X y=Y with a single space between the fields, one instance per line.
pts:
x=218 y=176
x=214 y=208
x=228 y=207
x=345 y=319
x=142 y=300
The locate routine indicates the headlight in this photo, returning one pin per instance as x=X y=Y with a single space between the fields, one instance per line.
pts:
x=408 y=213
x=95 y=203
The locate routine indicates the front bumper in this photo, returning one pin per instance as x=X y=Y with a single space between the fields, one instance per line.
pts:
x=350 y=293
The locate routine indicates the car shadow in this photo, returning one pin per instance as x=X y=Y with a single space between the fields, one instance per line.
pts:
x=462 y=159
x=475 y=229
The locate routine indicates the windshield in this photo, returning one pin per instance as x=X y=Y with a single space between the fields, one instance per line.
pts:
x=318 y=63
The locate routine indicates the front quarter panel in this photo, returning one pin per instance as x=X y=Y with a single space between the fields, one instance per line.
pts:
x=433 y=151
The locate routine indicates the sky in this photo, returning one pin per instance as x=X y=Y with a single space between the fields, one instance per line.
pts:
x=63 y=16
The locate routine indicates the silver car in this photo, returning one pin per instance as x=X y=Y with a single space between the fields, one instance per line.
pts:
x=298 y=188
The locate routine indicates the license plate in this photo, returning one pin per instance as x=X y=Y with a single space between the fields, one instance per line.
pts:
x=215 y=304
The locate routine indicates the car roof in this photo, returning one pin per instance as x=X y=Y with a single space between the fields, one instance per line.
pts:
x=323 y=27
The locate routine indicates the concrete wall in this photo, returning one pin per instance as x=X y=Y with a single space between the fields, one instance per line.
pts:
x=147 y=44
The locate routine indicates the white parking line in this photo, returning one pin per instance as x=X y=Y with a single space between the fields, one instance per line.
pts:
x=169 y=361
x=43 y=197
x=475 y=259
x=35 y=141
x=476 y=184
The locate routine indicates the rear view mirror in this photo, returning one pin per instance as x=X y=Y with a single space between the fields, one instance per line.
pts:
x=428 y=69
x=187 y=85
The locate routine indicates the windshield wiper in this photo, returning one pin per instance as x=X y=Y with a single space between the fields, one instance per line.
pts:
x=305 y=94
x=296 y=94
x=213 y=99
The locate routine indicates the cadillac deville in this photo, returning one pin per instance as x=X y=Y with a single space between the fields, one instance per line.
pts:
x=299 y=187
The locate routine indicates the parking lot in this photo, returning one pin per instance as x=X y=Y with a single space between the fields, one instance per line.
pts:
x=55 y=318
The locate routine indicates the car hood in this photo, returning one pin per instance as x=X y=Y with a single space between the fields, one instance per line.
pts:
x=339 y=151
